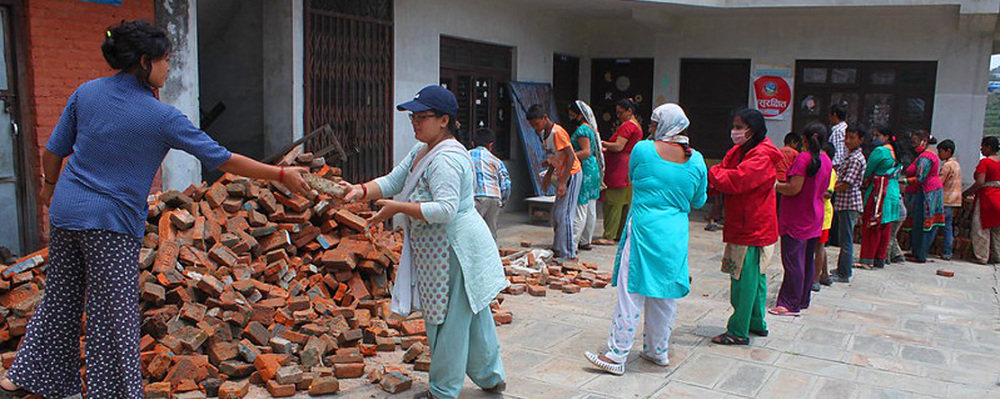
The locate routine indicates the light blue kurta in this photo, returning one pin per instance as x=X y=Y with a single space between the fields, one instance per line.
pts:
x=445 y=193
x=663 y=195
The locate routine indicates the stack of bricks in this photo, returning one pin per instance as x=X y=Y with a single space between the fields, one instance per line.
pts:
x=243 y=282
x=568 y=277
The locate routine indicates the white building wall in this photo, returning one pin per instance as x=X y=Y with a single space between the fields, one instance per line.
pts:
x=536 y=35
x=961 y=45
x=960 y=42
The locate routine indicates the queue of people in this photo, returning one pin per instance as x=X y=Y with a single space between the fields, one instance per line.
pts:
x=446 y=200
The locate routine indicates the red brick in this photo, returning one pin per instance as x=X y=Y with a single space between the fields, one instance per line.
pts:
x=351 y=220
x=210 y=285
x=267 y=365
x=157 y=390
x=350 y=370
x=413 y=327
x=234 y=389
x=396 y=382
x=280 y=391
x=182 y=219
x=219 y=352
x=324 y=386
x=193 y=311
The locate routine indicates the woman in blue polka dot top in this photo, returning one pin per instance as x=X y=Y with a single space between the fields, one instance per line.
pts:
x=118 y=133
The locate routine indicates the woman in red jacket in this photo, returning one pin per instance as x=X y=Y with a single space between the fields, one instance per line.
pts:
x=747 y=176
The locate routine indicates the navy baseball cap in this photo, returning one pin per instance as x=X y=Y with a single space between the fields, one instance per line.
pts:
x=432 y=98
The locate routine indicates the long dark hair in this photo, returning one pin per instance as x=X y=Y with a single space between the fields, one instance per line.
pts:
x=573 y=107
x=899 y=148
x=755 y=120
x=814 y=136
x=992 y=143
x=126 y=43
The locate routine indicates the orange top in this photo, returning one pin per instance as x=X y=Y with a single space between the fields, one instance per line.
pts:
x=557 y=141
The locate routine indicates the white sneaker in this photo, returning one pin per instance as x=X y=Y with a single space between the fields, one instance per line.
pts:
x=613 y=368
x=654 y=359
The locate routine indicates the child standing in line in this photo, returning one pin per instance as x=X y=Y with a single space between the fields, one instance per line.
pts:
x=951 y=177
x=847 y=201
x=492 y=180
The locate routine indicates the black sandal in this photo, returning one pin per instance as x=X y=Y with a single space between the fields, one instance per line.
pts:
x=728 y=339
x=763 y=333
x=424 y=395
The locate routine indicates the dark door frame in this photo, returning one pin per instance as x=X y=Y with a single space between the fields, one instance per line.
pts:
x=25 y=141
x=684 y=84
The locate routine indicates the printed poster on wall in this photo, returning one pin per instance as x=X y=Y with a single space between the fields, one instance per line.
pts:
x=772 y=90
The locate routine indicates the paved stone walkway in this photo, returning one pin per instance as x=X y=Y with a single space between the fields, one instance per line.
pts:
x=901 y=332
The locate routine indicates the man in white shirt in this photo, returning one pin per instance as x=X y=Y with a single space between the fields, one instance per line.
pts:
x=838 y=128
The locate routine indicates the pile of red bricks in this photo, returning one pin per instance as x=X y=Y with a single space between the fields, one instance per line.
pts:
x=243 y=282
x=539 y=275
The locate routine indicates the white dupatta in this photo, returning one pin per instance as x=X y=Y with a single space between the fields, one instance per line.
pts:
x=405 y=291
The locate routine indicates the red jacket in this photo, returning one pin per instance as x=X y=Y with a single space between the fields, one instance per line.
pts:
x=748 y=186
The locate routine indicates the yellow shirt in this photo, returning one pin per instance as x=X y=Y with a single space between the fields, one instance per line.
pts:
x=827 y=205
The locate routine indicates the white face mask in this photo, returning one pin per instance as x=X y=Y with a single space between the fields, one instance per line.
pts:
x=739 y=136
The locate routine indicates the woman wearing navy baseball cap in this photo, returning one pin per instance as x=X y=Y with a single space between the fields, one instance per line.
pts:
x=450 y=267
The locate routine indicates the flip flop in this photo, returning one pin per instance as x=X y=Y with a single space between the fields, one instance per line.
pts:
x=424 y=395
x=603 y=241
x=782 y=311
x=611 y=368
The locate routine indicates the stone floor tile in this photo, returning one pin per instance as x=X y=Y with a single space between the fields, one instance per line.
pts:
x=902 y=382
x=924 y=355
x=680 y=390
x=634 y=384
x=788 y=384
x=831 y=388
x=820 y=367
x=565 y=371
x=745 y=379
x=871 y=346
x=702 y=370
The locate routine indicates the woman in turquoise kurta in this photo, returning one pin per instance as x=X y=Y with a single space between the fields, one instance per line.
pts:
x=881 y=201
x=587 y=145
x=669 y=179
x=450 y=267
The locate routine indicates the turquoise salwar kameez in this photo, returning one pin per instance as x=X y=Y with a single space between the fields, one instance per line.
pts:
x=458 y=271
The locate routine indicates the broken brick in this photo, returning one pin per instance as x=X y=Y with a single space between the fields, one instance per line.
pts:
x=234 y=389
x=324 y=386
x=396 y=382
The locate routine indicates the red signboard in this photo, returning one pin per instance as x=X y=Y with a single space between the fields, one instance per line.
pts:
x=773 y=96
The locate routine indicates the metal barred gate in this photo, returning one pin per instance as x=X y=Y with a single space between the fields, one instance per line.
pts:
x=348 y=79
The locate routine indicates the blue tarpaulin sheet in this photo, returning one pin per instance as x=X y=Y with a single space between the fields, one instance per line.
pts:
x=525 y=95
x=108 y=2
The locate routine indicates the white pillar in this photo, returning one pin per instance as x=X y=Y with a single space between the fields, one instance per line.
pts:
x=179 y=18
